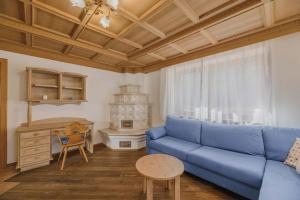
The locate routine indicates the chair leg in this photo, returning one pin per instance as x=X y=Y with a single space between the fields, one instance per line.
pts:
x=80 y=151
x=61 y=152
x=64 y=158
x=83 y=152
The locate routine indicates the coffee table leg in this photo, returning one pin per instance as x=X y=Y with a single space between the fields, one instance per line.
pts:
x=145 y=185
x=149 y=189
x=177 y=188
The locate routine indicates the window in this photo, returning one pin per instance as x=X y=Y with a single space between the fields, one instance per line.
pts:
x=232 y=87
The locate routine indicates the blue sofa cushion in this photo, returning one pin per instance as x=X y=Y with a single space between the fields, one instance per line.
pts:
x=185 y=129
x=244 y=168
x=156 y=132
x=173 y=146
x=278 y=142
x=239 y=138
x=280 y=182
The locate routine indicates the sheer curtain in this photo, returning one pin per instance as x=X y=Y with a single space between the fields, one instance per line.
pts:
x=232 y=87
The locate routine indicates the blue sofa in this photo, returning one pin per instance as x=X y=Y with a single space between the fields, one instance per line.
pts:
x=247 y=160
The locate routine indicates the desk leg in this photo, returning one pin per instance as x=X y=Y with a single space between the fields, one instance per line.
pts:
x=177 y=188
x=149 y=189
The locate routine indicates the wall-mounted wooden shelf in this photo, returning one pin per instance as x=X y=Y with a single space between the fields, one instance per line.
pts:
x=52 y=87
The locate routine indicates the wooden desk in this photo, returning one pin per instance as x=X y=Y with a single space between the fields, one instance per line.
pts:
x=34 y=141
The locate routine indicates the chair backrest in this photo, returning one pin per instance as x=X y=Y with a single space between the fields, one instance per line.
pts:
x=278 y=142
x=238 y=138
x=73 y=133
x=185 y=129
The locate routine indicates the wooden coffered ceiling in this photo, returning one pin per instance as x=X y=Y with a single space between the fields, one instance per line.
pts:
x=144 y=36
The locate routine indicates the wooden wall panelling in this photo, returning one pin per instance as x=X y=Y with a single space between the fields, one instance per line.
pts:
x=3 y=112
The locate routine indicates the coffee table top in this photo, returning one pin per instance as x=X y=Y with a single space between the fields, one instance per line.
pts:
x=159 y=166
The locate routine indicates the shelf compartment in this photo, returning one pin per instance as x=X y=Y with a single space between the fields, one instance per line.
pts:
x=44 y=86
x=72 y=88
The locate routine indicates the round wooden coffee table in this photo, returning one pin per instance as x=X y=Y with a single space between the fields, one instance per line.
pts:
x=160 y=167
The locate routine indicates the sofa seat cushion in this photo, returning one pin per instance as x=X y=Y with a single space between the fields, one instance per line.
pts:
x=244 y=168
x=280 y=182
x=173 y=146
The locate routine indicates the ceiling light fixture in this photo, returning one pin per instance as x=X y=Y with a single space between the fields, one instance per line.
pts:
x=111 y=5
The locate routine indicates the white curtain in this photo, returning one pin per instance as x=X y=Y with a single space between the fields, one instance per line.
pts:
x=231 y=87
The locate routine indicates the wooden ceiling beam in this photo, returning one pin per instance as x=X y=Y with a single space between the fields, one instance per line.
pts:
x=218 y=9
x=80 y=27
x=7 y=46
x=209 y=36
x=178 y=48
x=159 y=5
x=45 y=7
x=262 y=34
x=145 y=25
x=220 y=17
x=84 y=23
x=268 y=13
x=187 y=10
x=156 y=56
x=28 y=21
x=33 y=30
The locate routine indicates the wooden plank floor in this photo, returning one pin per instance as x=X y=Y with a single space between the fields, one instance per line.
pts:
x=109 y=175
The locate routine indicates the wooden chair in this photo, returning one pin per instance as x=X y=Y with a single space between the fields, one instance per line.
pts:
x=74 y=135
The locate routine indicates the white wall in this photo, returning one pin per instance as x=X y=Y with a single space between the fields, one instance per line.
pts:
x=285 y=59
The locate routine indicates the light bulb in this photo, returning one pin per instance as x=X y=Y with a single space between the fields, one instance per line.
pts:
x=113 y=3
x=104 y=21
x=78 y=3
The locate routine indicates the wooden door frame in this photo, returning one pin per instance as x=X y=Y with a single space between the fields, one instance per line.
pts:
x=3 y=112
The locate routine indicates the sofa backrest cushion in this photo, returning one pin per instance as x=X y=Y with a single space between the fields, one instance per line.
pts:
x=279 y=141
x=185 y=129
x=238 y=138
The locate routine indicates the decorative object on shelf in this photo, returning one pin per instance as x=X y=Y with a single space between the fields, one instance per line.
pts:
x=129 y=119
x=45 y=97
x=102 y=5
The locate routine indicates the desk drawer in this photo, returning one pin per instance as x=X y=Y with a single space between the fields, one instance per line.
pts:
x=34 y=134
x=35 y=141
x=28 y=160
x=35 y=150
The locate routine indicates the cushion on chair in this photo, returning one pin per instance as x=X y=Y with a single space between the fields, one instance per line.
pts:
x=173 y=146
x=239 y=138
x=279 y=141
x=185 y=129
x=156 y=132
x=280 y=182
x=244 y=168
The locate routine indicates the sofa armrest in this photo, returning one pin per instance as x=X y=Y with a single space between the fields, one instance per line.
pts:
x=156 y=132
